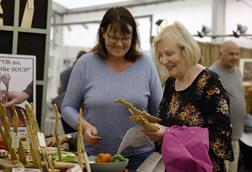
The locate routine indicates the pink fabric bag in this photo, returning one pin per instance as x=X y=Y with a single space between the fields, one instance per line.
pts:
x=186 y=149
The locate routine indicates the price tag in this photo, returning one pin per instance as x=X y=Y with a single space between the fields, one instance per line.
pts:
x=15 y=141
x=41 y=138
x=25 y=169
x=76 y=168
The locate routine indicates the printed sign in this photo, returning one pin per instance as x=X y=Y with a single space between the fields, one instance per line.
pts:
x=16 y=73
x=17 y=78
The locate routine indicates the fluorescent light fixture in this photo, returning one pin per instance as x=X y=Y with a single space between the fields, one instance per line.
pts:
x=70 y=4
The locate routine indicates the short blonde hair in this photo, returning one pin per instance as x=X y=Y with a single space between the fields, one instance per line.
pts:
x=179 y=35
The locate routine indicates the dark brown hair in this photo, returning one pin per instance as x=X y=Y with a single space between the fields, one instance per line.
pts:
x=119 y=18
x=80 y=53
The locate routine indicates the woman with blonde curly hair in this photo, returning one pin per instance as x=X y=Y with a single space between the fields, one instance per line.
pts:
x=193 y=96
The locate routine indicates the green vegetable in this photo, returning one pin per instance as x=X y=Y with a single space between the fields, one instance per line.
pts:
x=66 y=157
x=118 y=158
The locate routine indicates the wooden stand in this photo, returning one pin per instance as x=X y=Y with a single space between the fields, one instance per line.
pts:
x=8 y=164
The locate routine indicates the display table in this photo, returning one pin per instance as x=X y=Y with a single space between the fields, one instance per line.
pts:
x=8 y=164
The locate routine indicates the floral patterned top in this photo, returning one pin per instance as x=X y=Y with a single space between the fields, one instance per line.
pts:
x=204 y=103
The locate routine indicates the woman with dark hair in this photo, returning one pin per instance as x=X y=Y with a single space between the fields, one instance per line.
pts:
x=115 y=68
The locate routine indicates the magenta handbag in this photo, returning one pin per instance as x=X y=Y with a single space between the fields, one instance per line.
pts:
x=186 y=149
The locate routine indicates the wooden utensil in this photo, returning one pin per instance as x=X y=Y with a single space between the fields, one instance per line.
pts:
x=56 y=132
x=21 y=152
x=81 y=152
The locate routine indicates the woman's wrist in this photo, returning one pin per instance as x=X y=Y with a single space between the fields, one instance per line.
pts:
x=85 y=125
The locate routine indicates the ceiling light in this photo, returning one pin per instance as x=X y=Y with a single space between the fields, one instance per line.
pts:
x=158 y=22
x=204 y=31
x=241 y=29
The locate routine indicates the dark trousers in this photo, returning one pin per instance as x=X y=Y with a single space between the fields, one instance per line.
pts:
x=68 y=129
x=246 y=156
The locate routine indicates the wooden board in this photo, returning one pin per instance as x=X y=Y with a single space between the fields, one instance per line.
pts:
x=8 y=164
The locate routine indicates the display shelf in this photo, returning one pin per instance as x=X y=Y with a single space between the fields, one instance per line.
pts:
x=40 y=13
x=8 y=9
x=33 y=40
x=6 y=28
x=33 y=44
x=6 y=42
x=32 y=30
x=40 y=82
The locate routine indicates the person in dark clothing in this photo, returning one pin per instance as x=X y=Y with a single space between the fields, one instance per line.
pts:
x=65 y=74
x=64 y=79
x=245 y=145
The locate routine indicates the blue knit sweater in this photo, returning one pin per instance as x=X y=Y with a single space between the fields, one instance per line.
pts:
x=94 y=85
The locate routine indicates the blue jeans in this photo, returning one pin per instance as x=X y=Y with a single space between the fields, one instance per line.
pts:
x=136 y=160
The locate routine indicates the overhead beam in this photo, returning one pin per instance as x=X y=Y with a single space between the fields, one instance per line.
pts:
x=58 y=9
x=93 y=21
x=127 y=4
